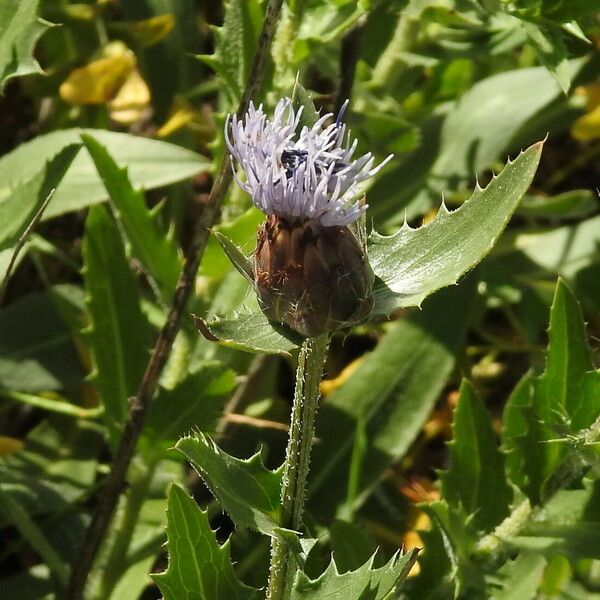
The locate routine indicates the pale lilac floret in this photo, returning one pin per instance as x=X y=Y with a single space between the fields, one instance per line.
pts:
x=309 y=174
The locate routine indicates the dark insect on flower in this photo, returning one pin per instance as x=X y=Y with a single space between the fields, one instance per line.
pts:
x=310 y=270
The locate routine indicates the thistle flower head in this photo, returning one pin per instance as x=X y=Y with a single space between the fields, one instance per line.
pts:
x=299 y=175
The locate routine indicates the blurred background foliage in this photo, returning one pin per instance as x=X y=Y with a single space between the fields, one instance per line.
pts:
x=451 y=87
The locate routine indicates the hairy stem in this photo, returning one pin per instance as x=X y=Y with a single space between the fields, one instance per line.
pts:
x=492 y=549
x=109 y=495
x=390 y=65
x=297 y=460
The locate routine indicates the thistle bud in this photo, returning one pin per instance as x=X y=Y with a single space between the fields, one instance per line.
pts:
x=310 y=277
x=310 y=271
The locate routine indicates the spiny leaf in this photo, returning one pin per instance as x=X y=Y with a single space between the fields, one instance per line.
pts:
x=413 y=263
x=251 y=332
x=199 y=569
x=475 y=480
x=563 y=400
x=246 y=489
x=236 y=44
x=20 y=28
x=547 y=40
x=366 y=583
x=519 y=578
x=238 y=234
x=119 y=331
x=156 y=252
x=236 y=256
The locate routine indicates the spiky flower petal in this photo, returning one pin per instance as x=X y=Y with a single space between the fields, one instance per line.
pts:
x=306 y=175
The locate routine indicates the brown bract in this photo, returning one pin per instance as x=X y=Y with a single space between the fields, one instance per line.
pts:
x=310 y=277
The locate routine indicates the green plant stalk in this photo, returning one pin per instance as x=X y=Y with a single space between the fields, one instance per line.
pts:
x=118 y=541
x=138 y=405
x=297 y=460
x=283 y=44
x=492 y=549
x=390 y=66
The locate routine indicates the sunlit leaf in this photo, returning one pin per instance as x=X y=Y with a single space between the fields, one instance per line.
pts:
x=155 y=251
x=119 y=331
x=366 y=583
x=199 y=568
x=413 y=263
x=247 y=490
x=564 y=399
x=475 y=479
x=251 y=332
x=236 y=44
x=551 y=50
x=20 y=28
x=18 y=209
x=150 y=163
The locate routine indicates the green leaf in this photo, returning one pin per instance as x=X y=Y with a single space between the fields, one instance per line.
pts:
x=520 y=578
x=487 y=120
x=23 y=202
x=20 y=28
x=563 y=400
x=246 y=489
x=149 y=244
x=199 y=569
x=17 y=516
x=37 y=350
x=390 y=394
x=351 y=546
x=413 y=263
x=239 y=234
x=475 y=479
x=572 y=9
x=568 y=357
x=366 y=583
x=302 y=98
x=55 y=469
x=575 y=541
x=520 y=437
x=119 y=331
x=194 y=403
x=237 y=257
x=547 y=40
x=150 y=164
x=251 y=332
x=236 y=44
x=571 y=205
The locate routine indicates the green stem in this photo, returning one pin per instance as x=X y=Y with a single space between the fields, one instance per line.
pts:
x=297 y=460
x=119 y=540
x=283 y=44
x=390 y=65
x=492 y=549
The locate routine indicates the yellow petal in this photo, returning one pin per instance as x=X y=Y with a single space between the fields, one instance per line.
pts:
x=133 y=98
x=180 y=118
x=9 y=445
x=150 y=31
x=587 y=127
x=98 y=81
x=329 y=386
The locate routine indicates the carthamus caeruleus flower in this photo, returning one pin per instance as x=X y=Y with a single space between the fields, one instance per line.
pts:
x=310 y=270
